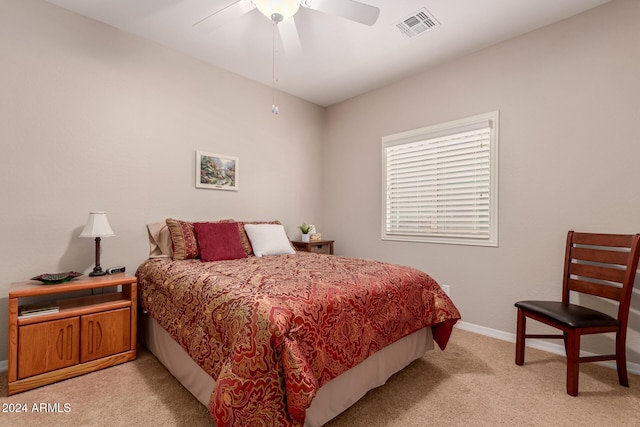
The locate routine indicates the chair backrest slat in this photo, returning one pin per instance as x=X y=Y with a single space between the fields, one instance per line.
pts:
x=610 y=292
x=602 y=256
x=612 y=240
x=597 y=272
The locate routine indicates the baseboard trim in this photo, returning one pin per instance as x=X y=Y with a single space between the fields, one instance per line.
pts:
x=633 y=368
x=4 y=365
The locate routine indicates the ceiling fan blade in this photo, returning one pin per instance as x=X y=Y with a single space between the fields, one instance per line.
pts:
x=349 y=9
x=289 y=36
x=223 y=16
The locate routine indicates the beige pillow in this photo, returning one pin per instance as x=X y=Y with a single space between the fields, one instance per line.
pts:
x=159 y=240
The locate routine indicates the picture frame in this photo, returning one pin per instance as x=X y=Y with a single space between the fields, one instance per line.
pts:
x=217 y=171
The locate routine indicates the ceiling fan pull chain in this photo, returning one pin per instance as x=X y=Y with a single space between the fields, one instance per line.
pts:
x=275 y=18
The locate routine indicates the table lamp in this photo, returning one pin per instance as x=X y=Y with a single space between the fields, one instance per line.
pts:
x=98 y=227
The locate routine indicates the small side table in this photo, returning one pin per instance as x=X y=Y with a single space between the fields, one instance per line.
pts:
x=85 y=334
x=317 y=246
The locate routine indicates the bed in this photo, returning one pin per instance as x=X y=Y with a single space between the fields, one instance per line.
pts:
x=289 y=339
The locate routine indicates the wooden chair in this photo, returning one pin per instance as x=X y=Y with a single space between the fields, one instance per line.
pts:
x=603 y=265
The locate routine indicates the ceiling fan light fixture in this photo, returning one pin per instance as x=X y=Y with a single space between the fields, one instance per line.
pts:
x=284 y=8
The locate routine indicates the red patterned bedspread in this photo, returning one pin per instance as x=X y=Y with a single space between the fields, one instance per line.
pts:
x=273 y=330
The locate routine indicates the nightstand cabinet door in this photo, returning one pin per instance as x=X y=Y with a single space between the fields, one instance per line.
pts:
x=104 y=334
x=47 y=346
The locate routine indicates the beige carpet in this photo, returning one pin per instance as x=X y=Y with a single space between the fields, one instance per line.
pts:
x=473 y=383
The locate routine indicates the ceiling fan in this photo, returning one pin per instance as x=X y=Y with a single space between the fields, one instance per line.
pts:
x=281 y=10
x=281 y=13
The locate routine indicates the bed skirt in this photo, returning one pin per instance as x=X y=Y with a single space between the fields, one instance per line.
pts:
x=331 y=399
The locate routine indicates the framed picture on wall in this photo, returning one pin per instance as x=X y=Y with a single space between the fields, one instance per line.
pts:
x=217 y=171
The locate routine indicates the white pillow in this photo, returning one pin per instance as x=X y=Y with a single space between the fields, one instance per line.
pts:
x=268 y=239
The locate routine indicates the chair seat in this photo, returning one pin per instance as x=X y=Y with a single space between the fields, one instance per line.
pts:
x=571 y=315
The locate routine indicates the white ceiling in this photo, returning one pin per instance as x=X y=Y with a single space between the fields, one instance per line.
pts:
x=338 y=58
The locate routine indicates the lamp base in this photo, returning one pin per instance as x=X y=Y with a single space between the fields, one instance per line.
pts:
x=97 y=271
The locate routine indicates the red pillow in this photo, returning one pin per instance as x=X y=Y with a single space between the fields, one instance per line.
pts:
x=219 y=241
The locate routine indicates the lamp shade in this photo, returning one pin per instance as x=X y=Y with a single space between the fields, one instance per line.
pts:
x=97 y=226
x=285 y=8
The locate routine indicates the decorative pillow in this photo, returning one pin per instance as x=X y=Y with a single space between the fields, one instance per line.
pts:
x=159 y=240
x=246 y=244
x=218 y=241
x=183 y=238
x=268 y=239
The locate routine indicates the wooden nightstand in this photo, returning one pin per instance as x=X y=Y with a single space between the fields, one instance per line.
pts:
x=86 y=334
x=318 y=246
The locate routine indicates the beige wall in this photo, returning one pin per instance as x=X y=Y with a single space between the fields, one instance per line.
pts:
x=92 y=118
x=569 y=101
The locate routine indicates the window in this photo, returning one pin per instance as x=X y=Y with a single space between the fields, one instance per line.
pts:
x=440 y=183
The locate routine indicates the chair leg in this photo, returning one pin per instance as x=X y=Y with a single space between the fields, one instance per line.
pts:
x=573 y=362
x=520 y=333
x=621 y=359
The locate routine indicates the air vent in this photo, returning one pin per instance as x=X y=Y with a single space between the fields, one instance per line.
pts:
x=417 y=23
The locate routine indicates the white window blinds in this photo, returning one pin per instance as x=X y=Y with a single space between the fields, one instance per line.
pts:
x=440 y=183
